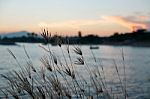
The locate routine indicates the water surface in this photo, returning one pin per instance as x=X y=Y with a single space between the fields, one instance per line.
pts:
x=136 y=60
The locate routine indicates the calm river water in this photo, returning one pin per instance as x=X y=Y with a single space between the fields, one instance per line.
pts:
x=137 y=62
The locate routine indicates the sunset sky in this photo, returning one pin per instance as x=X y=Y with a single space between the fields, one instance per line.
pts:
x=67 y=17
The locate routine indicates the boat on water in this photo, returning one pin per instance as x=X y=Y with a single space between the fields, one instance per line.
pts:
x=94 y=47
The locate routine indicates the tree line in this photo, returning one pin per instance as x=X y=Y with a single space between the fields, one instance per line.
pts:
x=141 y=35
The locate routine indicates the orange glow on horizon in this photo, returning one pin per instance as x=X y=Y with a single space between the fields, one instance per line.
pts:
x=102 y=26
x=66 y=33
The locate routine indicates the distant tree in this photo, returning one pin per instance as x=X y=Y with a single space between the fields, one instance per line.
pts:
x=79 y=34
x=116 y=34
x=141 y=30
x=32 y=34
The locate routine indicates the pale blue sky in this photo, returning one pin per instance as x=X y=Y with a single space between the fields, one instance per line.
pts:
x=16 y=15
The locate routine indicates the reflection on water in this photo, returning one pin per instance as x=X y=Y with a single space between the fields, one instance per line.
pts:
x=137 y=62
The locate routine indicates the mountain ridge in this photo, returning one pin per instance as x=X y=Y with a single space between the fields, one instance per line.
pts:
x=15 y=34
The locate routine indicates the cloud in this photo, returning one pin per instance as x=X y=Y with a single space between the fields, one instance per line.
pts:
x=71 y=23
x=133 y=22
x=130 y=22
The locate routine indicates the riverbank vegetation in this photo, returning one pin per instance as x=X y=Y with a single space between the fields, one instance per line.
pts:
x=137 y=38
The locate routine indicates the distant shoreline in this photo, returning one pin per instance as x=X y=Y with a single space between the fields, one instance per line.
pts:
x=139 y=38
x=135 y=44
x=8 y=43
